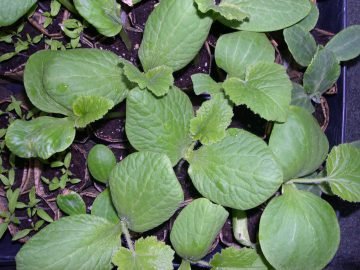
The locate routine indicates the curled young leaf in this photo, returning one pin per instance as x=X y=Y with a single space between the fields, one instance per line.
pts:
x=225 y=8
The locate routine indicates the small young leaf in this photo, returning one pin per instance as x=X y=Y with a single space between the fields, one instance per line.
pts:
x=43 y=215
x=203 y=83
x=21 y=205
x=103 y=207
x=3 y=228
x=12 y=199
x=4 y=180
x=298 y=230
x=232 y=258
x=196 y=227
x=211 y=120
x=240 y=227
x=345 y=44
x=67 y=160
x=21 y=234
x=54 y=8
x=38 y=224
x=300 y=98
x=71 y=204
x=236 y=52
x=145 y=197
x=309 y=22
x=12 y=10
x=7 y=56
x=150 y=254
x=226 y=9
x=101 y=160
x=266 y=91
x=301 y=44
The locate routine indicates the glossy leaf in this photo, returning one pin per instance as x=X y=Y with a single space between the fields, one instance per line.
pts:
x=266 y=91
x=103 y=207
x=101 y=160
x=196 y=227
x=71 y=204
x=145 y=190
x=12 y=10
x=301 y=154
x=150 y=254
x=269 y=15
x=300 y=98
x=322 y=73
x=41 y=137
x=159 y=124
x=236 y=52
x=75 y=242
x=225 y=8
x=239 y=171
x=345 y=44
x=309 y=22
x=167 y=31
x=237 y=259
x=103 y=15
x=343 y=172
x=211 y=120
x=299 y=230
x=301 y=44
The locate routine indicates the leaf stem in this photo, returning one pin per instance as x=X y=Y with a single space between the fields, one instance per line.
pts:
x=307 y=181
x=126 y=233
x=202 y=263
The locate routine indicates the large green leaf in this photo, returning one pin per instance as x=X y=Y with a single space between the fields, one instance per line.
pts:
x=41 y=137
x=266 y=91
x=301 y=44
x=101 y=160
x=145 y=190
x=196 y=227
x=159 y=124
x=343 y=172
x=211 y=120
x=174 y=34
x=75 y=242
x=300 y=98
x=149 y=254
x=299 y=144
x=12 y=10
x=309 y=22
x=203 y=83
x=322 y=73
x=103 y=207
x=71 y=204
x=239 y=171
x=269 y=15
x=236 y=52
x=237 y=259
x=299 y=230
x=103 y=15
x=55 y=79
x=345 y=44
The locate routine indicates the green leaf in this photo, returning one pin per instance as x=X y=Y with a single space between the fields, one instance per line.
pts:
x=3 y=228
x=21 y=234
x=88 y=109
x=240 y=227
x=75 y=242
x=322 y=73
x=43 y=215
x=299 y=230
x=104 y=15
x=225 y=8
x=12 y=10
x=71 y=204
x=167 y=40
x=185 y=265
x=13 y=197
x=159 y=124
x=145 y=190
x=41 y=137
x=103 y=207
x=7 y=56
x=299 y=144
x=269 y=15
x=343 y=172
x=237 y=259
x=345 y=44
x=266 y=91
x=203 y=83
x=89 y=72
x=301 y=44
x=236 y=52
x=300 y=98
x=150 y=254
x=54 y=8
x=239 y=171
x=313 y=188
x=309 y=22
x=101 y=160
x=211 y=120
x=196 y=228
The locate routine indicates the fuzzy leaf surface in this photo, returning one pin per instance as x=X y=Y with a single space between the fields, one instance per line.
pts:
x=71 y=204
x=103 y=207
x=203 y=83
x=300 y=98
x=12 y=10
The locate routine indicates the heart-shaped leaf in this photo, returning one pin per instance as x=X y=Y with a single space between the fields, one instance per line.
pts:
x=103 y=207
x=299 y=144
x=41 y=137
x=239 y=171
x=71 y=204
x=101 y=160
x=236 y=52
x=299 y=230
x=103 y=15
x=168 y=31
x=266 y=91
x=75 y=242
x=149 y=254
x=225 y=8
x=145 y=190
x=196 y=227
x=159 y=124
x=300 y=98
x=204 y=84
x=12 y=10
